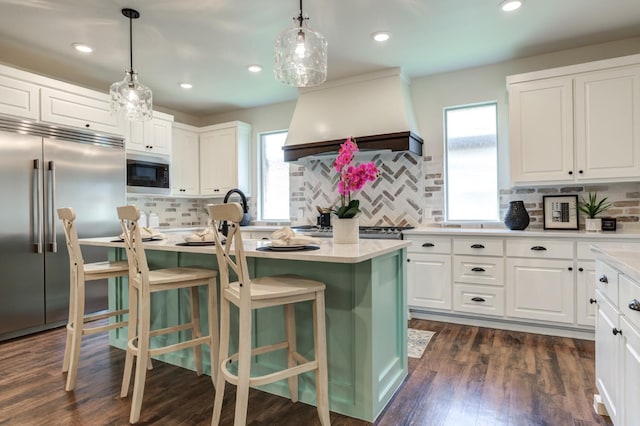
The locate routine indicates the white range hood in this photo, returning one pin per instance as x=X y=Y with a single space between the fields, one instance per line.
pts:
x=374 y=108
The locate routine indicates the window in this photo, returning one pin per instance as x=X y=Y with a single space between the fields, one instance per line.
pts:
x=471 y=163
x=274 y=178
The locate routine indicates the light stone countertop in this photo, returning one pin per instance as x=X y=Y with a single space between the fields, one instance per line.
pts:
x=335 y=253
x=498 y=232
x=626 y=261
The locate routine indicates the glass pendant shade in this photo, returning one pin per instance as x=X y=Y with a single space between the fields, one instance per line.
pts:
x=301 y=57
x=129 y=95
x=132 y=97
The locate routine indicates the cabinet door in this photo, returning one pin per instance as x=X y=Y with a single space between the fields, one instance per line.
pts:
x=184 y=163
x=585 y=293
x=429 y=281
x=218 y=161
x=541 y=130
x=82 y=110
x=18 y=98
x=540 y=289
x=629 y=374
x=151 y=136
x=607 y=112
x=607 y=355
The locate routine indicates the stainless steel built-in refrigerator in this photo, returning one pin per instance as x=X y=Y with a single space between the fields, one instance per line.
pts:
x=43 y=168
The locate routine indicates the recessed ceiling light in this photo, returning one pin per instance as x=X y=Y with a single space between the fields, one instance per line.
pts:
x=381 y=36
x=254 y=68
x=83 y=48
x=186 y=85
x=511 y=5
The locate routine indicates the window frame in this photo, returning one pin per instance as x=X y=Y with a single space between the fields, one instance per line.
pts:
x=260 y=176
x=446 y=166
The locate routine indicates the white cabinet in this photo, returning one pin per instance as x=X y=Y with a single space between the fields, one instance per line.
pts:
x=579 y=125
x=607 y=123
x=541 y=130
x=607 y=355
x=150 y=136
x=224 y=158
x=585 y=293
x=429 y=273
x=83 y=108
x=540 y=280
x=429 y=276
x=18 y=98
x=185 y=152
x=478 y=275
x=630 y=374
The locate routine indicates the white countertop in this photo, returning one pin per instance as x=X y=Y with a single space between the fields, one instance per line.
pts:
x=626 y=261
x=366 y=249
x=498 y=232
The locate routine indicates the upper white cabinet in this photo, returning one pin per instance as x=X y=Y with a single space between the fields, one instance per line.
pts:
x=82 y=108
x=576 y=124
x=185 y=151
x=150 y=136
x=18 y=97
x=224 y=158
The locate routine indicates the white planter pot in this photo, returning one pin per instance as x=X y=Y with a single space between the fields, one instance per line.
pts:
x=593 y=225
x=345 y=231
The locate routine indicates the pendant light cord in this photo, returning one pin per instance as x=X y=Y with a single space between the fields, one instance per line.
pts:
x=131 y=42
x=300 y=18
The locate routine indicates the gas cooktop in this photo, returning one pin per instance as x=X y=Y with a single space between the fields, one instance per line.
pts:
x=381 y=232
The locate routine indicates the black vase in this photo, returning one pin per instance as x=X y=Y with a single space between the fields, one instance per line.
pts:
x=516 y=218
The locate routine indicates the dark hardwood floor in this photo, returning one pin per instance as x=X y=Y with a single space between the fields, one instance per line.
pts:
x=467 y=376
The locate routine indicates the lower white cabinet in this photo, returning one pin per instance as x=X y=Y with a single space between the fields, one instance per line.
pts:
x=540 y=289
x=585 y=293
x=607 y=355
x=618 y=343
x=429 y=276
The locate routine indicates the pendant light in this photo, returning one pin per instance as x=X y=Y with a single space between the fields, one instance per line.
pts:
x=129 y=95
x=301 y=55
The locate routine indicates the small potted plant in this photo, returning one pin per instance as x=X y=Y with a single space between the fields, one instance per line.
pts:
x=593 y=207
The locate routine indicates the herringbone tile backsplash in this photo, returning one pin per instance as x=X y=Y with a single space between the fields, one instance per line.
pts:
x=393 y=199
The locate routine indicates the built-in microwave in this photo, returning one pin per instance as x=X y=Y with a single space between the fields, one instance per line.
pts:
x=148 y=174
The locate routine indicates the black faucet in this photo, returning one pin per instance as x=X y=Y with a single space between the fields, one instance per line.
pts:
x=246 y=218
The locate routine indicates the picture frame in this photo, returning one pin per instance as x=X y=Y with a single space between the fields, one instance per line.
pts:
x=560 y=212
x=608 y=223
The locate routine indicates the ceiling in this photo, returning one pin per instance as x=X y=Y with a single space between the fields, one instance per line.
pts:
x=209 y=43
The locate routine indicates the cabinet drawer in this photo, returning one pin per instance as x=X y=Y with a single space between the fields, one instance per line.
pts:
x=478 y=246
x=584 y=247
x=478 y=270
x=478 y=299
x=540 y=249
x=607 y=281
x=429 y=244
x=630 y=299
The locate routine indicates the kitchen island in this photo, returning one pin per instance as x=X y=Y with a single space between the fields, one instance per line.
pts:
x=366 y=314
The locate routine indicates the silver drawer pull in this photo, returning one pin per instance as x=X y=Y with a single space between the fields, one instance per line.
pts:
x=538 y=248
x=603 y=279
x=477 y=299
x=478 y=269
x=634 y=305
x=428 y=245
x=478 y=246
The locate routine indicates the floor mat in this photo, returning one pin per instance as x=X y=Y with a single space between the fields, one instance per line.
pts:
x=418 y=341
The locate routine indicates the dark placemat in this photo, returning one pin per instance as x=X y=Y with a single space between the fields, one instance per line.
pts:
x=144 y=240
x=281 y=249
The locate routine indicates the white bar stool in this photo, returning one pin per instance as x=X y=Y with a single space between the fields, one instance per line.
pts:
x=80 y=273
x=249 y=294
x=142 y=283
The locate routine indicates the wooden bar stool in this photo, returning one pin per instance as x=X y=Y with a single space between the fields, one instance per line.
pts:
x=249 y=294
x=79 y=274
x=142 y=283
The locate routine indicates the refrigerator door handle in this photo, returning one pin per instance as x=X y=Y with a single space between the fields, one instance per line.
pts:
x=37 y=238
x=53 y=244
